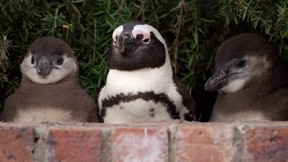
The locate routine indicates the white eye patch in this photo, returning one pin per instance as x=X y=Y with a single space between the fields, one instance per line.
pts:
x=146 y=36
x=147 y=29
x=117 y=32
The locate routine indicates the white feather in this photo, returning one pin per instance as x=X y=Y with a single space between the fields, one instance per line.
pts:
x=240 y=116
x=158 y=80
x=117 y=32
x=147 y=29
x=234 y=86
x=135 y=110
x=249 y=72
x=38 y=115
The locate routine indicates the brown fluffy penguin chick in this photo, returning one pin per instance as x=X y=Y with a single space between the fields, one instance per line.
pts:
x=50 y=88
x=252 y=81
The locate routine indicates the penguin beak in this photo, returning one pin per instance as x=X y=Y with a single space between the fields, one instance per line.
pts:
x=44 y=66
x=125 y=43
x=217 y=81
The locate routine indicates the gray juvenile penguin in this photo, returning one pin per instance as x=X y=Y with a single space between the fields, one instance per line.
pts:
x=252 y=81
x=140 y=84
x=50 y=87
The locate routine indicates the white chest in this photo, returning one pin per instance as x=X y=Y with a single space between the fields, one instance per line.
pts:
x=137 y=110
x=238 y=117
x=38 y=115
x=157 y=80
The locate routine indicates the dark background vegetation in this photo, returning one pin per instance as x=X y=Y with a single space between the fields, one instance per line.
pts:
x=193 y=31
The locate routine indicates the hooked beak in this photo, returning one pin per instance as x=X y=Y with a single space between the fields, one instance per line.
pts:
x=125 y=43
x=44 y=66
x=217 y=81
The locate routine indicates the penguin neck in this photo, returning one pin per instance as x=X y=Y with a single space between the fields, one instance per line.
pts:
x=256 y=87
x=165 y=70
x=146 y=78
x=276 y=77
x=279 y=74
x=69 y=81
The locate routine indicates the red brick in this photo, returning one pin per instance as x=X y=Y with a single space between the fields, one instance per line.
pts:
x=145 y=144
x=204 y=142
x=217 y=142
x=267 y=142
x=75 y=144
x=16 y=143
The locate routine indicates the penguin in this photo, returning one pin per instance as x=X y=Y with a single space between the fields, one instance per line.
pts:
x=50 y=89
x=140 y=85
x=251 y=79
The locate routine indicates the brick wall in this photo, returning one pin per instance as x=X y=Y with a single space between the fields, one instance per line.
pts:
x=174 y=141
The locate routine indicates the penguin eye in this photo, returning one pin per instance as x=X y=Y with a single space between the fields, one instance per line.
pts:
x=60 y=61
x=32 y=60
x=241 y=64
x=146 y=41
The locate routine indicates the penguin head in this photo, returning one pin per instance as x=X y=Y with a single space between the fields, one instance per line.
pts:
x=49 y=60
x=239 y=60
x=136 y=45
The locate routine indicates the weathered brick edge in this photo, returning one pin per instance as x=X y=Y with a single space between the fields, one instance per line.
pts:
x=173 y=141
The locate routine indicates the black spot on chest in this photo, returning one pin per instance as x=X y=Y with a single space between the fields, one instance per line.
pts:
x=146 y=96
x=152 y=112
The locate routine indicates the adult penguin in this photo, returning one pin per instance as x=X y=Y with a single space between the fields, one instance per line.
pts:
x=140 y=84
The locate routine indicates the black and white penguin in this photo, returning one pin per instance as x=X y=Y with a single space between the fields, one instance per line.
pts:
x=252 y=81
x=140 y=85
x=50 y=88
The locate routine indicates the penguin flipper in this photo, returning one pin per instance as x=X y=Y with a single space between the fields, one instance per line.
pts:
x=188 y=100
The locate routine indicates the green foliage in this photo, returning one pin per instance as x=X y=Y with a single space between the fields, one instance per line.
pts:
x=4 y=45
x=266 y=17
x=193 y=31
